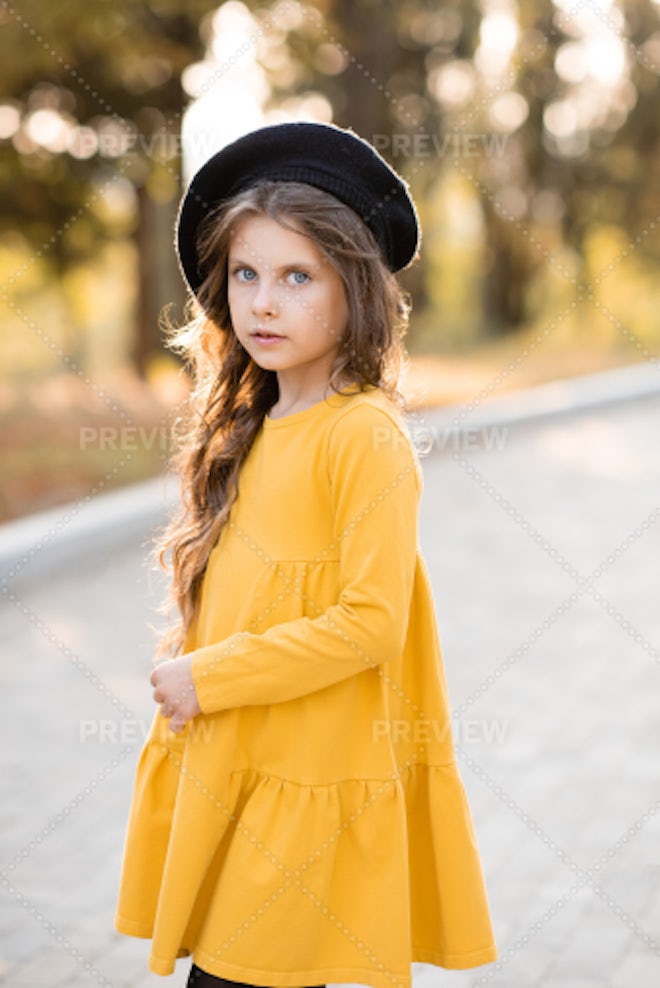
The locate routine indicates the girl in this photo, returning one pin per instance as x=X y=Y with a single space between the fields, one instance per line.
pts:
x=298 y=817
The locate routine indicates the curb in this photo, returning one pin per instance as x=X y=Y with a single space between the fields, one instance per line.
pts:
x=556 y=400
x=41 y=544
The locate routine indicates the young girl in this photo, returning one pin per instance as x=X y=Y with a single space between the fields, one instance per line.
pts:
x=298 y=817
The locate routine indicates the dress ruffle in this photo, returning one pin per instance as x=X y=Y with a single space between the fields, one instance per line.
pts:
x=328 y=835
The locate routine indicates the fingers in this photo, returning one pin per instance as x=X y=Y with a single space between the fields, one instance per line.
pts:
x=154 y=679
x=177 y=722
x=160 y=693
x=174 y=690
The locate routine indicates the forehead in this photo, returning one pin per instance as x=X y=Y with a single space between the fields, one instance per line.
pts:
x=261 y=235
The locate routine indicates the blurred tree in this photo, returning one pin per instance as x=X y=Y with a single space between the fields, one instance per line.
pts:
x=368 y=60
x=586 y=152
x=573 y=91
x=550 y=112
x=92 y=93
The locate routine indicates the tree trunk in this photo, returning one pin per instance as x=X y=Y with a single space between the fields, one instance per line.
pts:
x=146 y=318
x=506 y=276
x=159 y=280
x=368 y=30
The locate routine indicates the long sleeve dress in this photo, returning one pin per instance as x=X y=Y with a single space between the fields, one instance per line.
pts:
x=310 y=826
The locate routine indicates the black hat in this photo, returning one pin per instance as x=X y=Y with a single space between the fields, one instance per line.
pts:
x=323 y=155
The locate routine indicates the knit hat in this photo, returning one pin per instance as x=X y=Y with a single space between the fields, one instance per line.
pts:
x=323 y=155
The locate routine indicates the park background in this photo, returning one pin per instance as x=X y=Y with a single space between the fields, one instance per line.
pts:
x=529 y=133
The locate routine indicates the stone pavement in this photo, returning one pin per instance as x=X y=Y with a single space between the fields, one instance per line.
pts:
x=543 y=544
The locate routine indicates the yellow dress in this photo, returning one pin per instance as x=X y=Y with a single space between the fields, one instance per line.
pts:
x=310 y=826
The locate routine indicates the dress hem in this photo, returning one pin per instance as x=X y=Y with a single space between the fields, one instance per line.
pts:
x=422 y=955
x=132 y=928
x=473 y=958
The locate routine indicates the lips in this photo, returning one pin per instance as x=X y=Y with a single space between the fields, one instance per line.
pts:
x=266 y=335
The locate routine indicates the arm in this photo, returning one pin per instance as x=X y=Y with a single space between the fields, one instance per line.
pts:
x=375 y=496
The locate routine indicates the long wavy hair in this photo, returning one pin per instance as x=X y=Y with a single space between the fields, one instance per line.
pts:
x=231 y=393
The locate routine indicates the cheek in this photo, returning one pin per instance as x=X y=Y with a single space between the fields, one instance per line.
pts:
x=341 y=311
x=233 y=299
x=335 y=310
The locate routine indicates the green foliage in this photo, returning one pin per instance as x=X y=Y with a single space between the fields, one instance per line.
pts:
x=515 y=214
x=548 y=111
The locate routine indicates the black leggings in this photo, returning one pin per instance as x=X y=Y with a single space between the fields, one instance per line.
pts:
x=201 y=979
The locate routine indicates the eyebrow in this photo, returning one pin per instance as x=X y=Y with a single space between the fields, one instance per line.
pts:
x=284 y=267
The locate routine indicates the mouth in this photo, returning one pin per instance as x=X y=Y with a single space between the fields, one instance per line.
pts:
x=263 y=334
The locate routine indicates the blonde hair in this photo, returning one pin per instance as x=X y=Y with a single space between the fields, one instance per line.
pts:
x=231 y=393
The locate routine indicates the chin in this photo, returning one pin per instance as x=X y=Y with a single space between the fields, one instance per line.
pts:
x=267 y=361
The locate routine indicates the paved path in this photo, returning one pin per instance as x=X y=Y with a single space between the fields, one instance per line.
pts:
x=543 y=546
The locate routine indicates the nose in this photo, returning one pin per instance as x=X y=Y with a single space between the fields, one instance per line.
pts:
x=264 y=300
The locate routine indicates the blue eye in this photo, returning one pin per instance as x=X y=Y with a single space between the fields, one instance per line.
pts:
x=299 y=277
x=244 y=274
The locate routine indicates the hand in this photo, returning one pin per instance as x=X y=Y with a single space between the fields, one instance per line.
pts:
x=175 y=690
